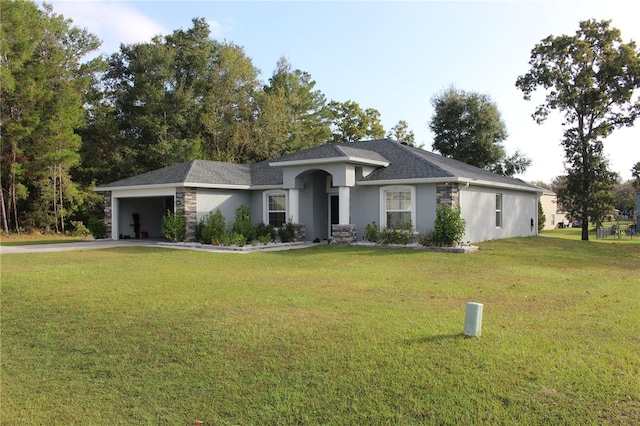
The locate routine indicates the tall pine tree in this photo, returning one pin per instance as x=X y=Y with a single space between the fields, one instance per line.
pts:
x=41 y=97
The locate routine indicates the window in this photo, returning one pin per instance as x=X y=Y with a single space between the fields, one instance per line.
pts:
x=498 y=210
x=397 y=206
x=276 y=209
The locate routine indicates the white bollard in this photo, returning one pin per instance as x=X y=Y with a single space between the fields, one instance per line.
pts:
x=473 y=319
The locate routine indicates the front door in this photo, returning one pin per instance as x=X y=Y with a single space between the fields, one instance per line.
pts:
x=334 y=211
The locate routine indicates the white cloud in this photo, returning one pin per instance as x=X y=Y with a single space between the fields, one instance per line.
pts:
x=113 y=22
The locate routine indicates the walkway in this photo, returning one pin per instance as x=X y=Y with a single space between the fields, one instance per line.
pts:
x=103 y=244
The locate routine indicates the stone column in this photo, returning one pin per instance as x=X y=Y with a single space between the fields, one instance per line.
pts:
x=187 y=201
x=108 y=222
x=343 y=234
x=448 y=193
x=299 y=232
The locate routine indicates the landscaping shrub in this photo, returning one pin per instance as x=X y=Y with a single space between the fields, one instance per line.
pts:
x=212 y=228
x=79 y=230
x=286 y=232
x=173 y=226
x=243 y=225
x=448 y=228
x=371 y=232
x=238 y=239
x=97 y=228
x=400 y=234
x=266 y=232
x=427 y=239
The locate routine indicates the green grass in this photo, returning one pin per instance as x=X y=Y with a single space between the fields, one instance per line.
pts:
x=30 y=239
x=326 y=335
x=576 y=235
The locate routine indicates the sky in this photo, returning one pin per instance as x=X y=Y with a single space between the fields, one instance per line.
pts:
x=392 y=56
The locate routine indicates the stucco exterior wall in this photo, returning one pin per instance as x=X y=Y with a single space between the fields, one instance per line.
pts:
x=426 y=208
x=478 y=208
x=227 y=200
x=366 y=205
x=365 y=208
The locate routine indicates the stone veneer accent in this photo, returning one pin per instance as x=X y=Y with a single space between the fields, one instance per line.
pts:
x=107 y=214
x=343 y=234
x=299 y=232
x=448 y=194
x=187 y=200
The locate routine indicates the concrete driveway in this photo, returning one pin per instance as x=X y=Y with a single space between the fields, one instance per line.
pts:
x=82 y=245
x=102 y=244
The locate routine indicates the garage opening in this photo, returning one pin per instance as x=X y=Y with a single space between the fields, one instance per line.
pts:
x=141 y=217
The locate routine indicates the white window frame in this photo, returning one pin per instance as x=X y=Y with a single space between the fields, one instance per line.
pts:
x=383 y=202
x=499 y=210
x=265 y=202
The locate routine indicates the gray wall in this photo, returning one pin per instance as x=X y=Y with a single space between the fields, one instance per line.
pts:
x=477 y=206
x=365 y=207
x=227 y=200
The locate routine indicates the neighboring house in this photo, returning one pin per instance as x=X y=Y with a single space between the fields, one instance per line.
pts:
x=331 y=191
x=553 y=212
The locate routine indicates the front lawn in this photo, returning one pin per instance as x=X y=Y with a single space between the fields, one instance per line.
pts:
x=325 y=335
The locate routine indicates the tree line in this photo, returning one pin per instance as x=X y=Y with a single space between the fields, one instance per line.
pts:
x=68 y=124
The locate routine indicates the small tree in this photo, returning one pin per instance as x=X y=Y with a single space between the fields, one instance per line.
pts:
x=173 y=226
x=541 y=217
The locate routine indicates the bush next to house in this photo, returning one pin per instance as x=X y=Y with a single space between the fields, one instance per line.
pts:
x=97 y=228
x=266 y=233
x=238 y=239
x=173 y=226
x=448 y=228
x=286 y=232
x=211 y=229
x=371 y=232
x=402 y=233
x=243 y=225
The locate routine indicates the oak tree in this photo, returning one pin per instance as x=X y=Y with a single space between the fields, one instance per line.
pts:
x=592 y=78
x=467 y=127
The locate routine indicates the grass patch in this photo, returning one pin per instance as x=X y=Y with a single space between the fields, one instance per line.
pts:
x=31 y=239
x=575 y=234
x=326 y=335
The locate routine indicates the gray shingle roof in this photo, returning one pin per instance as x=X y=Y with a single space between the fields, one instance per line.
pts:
x=330 y=151
x=195 y=171
x=404 y=163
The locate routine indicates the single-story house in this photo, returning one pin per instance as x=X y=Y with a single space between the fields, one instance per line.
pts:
x=330 y=191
